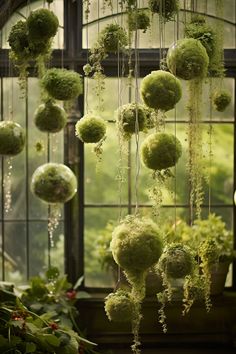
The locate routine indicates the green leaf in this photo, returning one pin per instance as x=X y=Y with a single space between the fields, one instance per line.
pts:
x=82 y=295
x=78 y=283
x=33 y=329
x=52 y=340
x=30 y=347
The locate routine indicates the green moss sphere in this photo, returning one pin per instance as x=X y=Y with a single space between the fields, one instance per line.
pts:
x=166 y=8
x=50 y=118
x=62 y=84
x=54 y=183
x=113 y=38
x=42 y=24
x=119 y=306
x=136 y=244
x=12 y=138
x=160 y=151
x=160 y=90
x=90 y=129
x=139 y=20
x=188 y=59
x=177 y=261
x=221 y=100
x=126 y=118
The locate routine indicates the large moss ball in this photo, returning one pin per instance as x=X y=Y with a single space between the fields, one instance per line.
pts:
x=62 y=84
x=126 y=118
x=12 y=138
x=138 y=20
x=54 y=183
x=136 y=244
x=50 y=117
x=119 y=306
x=221 y=100
x=160 y=90
x=42 y=24
x=166 y=8
x=188 y=59
x=90 y=129
x=160 y=151
x=177 y=261
x=113 y=38
x=18 y=39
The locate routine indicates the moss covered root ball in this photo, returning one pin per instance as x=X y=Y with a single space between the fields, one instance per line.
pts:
x=113 y=38
x=136 y=244
x=160 y=151
x=166 y=8
x=62 y=84
x=126 y=118
x=221 y=100
x=188 y=59
x=177 y=261
x=90 y=129
x=54 y=183
x=50 y=117
x=42 y=25
x=18 y=40
x=119 y=306
x=139 y=20
x=160 y=90
x=12 y=138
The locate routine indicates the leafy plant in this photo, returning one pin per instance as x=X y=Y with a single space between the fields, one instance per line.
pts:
x=165 y=8
x=138 y=20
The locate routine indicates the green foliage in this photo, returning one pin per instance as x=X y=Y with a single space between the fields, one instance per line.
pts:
x=119 y=306
x=42 y=24
x=221 y=100
x=50 y=117
x=54 y=183
x=160 y=151
x=138 y=20
x=113 y=38
x=62 y=84
x=188 y=59
x=90 y=129
x=12 y=138
x=165 y=8
x=160 y=90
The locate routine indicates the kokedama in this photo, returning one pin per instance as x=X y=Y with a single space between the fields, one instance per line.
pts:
x=12 y=138
x=90 y=129
x=119 y=306
x=221 y=100
x=42 y=24
x=50 y=117
x=113 y=38
x=126 y=118
x=138 y=20
x=165 y=8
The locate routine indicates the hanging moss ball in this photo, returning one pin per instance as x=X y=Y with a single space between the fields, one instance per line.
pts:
x=90 y=129
x=139 y=20
x=62 y=84
x=136 y=244
x=42 y=24
x=113 y=38
x=160 y=90
x=119 y=306
x=126 y=118
x=50 y=117
x=18 y=40
x=221 y=100
x=12 y=138
x=54 y=183
x=176 y=261
x=166 y=8
x=160 y=151
x=188 y=59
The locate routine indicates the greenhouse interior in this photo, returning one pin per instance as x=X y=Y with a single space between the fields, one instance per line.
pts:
x=117 y=177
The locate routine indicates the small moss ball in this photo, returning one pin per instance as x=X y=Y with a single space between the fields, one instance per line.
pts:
x=54 y=183
x=12 y=138
x=50 y=117
x=188 y=59
x=166 y=8
x=62 y=84
x=42 y=24
x=113 y=38
x=139 y=20
x=160 y=151
x=119 y=306
x=90 y=129
x=177 y=261
x=160 y=90
x=221 y=100
x=126 y=118
x=136 y=244
x=18 y=40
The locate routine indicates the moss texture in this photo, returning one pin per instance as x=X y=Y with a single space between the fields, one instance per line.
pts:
x=136 y=244
x=176 y=261
x=188 y=59
x=166 y=8
x=160 y=151
x=12 y=138
x=160 y=90
x=119 y=306
x=62 y=84
x=50 y=117
x=90 y=129
x=54 y=183
x=126 y=118
x=42 y=24
x=221 y=100
x=113 y=38
x=138 y=20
